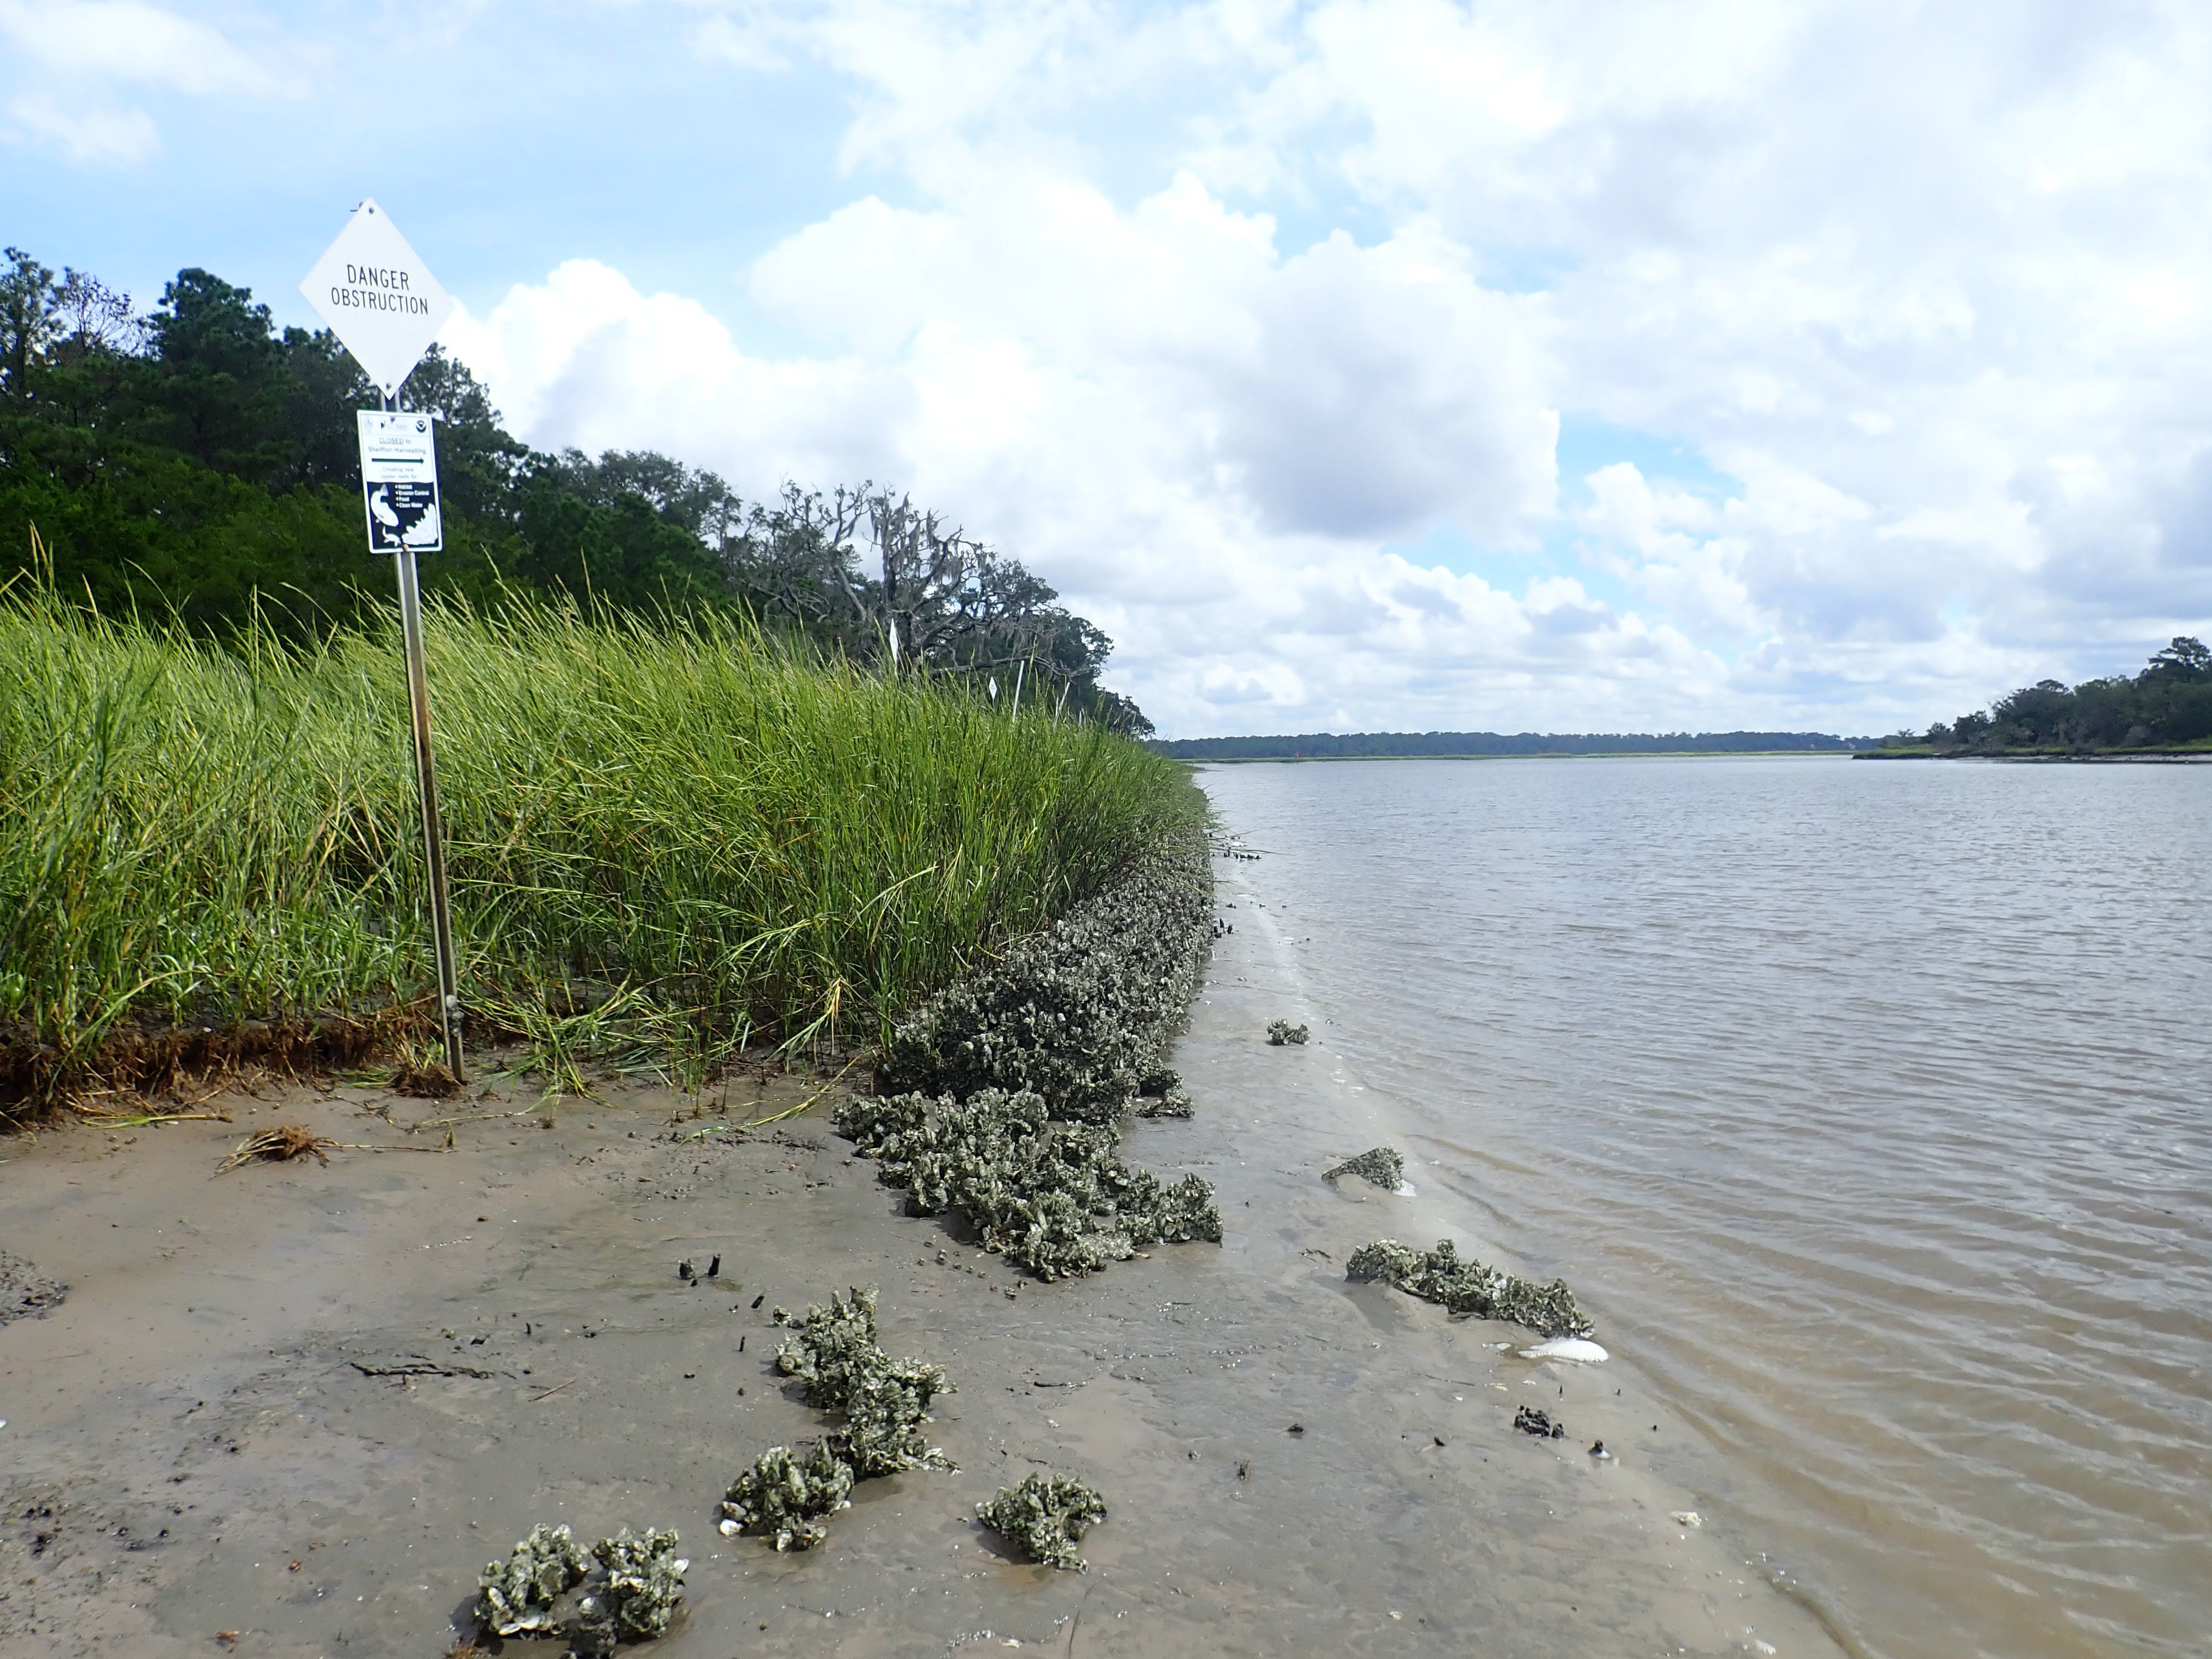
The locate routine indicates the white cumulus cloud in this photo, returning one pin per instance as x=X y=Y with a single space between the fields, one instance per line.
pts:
x=1221 y=314
x=85 y=134
x=75 y=60
x=130 y=40
x=1197 y=437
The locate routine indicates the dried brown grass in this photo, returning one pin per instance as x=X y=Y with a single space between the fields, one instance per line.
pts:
x=278 y=1145
x=425 y=1079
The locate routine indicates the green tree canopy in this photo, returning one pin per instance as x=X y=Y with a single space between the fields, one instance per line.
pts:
x=195 y=461
x=2168 y=702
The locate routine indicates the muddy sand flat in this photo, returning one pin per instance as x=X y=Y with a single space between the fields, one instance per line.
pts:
x=304 y=1404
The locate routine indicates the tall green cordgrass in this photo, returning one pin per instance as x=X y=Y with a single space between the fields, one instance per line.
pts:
x=673 y=822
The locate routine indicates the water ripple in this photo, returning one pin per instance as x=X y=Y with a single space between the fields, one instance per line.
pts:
x=1868 y=1106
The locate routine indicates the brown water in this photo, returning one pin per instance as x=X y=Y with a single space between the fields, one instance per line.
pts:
x=1868 y=1105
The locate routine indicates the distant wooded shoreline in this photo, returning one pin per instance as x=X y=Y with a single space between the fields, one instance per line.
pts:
x=2165 y=710
x=1483 y=746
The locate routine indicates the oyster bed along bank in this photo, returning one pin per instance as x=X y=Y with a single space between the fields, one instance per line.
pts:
x=304 y=1405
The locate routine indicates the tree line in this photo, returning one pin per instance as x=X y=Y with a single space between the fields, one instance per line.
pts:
x=195 y=461
x=2168 y=702
x=1357 y=746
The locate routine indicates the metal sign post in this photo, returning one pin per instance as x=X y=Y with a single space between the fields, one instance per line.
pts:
x=381 y=300
x=434 y=834
x=399 y=490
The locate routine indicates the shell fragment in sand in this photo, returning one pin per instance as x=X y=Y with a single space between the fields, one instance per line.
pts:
x=1687 y=1518
x=1567 y=1347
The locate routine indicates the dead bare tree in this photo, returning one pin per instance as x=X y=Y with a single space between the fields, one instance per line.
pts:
x=797 y=563
x=937 y=599
x=927 y=573
x=94 y=317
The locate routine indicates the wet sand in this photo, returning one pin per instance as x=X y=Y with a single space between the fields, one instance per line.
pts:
x=194 y=1447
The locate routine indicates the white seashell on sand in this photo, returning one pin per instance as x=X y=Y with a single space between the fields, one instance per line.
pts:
x=1568 y=1348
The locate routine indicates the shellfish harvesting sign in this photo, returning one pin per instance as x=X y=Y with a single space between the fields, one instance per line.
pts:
x=400 y=482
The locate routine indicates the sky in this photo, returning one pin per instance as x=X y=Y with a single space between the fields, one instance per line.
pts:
x=1362 y=365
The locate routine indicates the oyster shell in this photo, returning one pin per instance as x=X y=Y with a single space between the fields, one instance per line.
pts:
x=1082 y=1013
x=1045 y=1517
x=623 y=1588
x=1379 y=1166
x=785 y=1496
x=1469 y=1287
x=517 y=1596
x=1053 y=1197
x=885 y=1401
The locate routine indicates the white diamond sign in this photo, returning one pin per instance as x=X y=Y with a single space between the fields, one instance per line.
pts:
x=378 y=297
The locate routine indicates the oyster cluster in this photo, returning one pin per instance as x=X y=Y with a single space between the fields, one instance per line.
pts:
x=1045 y=1517
x=1052 y=1197
x=1160 y=1093
x=1469 y=1287
x=1379 y=1166
x=785 y=1495
x=1280 y=1031
x=517 y=1596
x=623 y=1588
x=1000 y=1099
x=884 y=1402
x=1081 y=1013
x=635 y=1598
x=25 y=1292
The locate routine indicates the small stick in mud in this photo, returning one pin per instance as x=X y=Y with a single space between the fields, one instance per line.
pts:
x=278 y=1145
x=157 y=1117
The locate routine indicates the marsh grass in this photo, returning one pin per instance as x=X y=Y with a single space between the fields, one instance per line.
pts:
x=667 y=839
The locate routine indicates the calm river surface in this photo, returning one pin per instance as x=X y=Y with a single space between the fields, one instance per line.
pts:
x=1869 y=1108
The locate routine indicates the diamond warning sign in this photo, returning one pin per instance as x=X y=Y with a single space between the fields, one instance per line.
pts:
x=378 y=297
x=400 y=482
